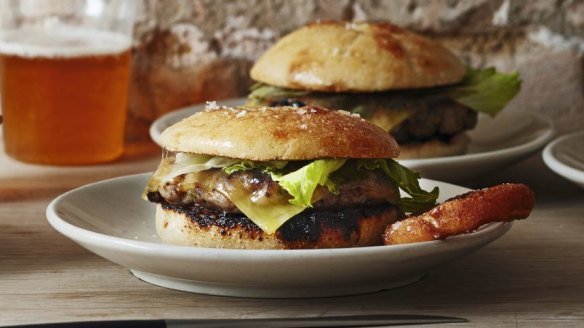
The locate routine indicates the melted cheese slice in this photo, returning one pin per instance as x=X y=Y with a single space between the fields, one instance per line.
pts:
x=389 y=121
x=268 y=217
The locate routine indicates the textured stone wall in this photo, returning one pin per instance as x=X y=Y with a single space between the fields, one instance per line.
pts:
x=191 y=51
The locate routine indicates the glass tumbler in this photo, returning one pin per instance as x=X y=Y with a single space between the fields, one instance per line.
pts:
x=64 y=75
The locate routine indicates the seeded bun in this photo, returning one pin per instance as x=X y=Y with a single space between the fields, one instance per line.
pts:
x=356 y=57
x=279 y=133
x=341 y=228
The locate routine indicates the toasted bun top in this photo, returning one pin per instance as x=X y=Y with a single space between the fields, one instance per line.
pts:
x=345 y=57
x=279 y=133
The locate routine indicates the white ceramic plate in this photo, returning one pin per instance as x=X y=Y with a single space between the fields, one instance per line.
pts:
x=496 y=143
x=565 y=156
x=110 y=219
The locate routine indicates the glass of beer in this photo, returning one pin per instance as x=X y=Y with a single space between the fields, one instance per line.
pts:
x=64 y=75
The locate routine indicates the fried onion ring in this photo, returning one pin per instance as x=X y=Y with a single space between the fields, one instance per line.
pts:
x=463 y=214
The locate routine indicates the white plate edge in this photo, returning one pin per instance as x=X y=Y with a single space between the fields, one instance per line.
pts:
x=559 y=167
x=60 y=225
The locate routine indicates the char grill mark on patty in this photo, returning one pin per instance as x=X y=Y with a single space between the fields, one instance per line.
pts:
x=307 y=226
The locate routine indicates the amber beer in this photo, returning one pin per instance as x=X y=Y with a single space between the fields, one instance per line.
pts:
x=63 y=95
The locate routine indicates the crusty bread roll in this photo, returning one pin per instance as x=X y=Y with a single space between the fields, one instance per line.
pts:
x=279 y=133
x=366 y=229
x=356 y=57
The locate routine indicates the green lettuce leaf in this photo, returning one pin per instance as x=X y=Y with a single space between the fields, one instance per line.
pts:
x=250 y=165
x=407 y=180
x=260 y=92
x=486 y=91
x=301 y=183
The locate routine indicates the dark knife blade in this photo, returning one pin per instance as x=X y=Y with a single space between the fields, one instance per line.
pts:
x=327 y=321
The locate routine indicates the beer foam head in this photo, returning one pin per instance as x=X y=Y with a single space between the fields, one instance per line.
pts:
x=61 y=42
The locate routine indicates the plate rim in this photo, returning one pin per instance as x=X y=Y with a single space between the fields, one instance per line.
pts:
x=553 y=163
x=162 y=249
x=527 y=147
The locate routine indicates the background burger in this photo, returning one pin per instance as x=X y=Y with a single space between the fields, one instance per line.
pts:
x=279 y=177
x=403 y=82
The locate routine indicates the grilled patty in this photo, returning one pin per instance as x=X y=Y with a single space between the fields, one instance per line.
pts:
x=207 y=188
x=442 y=120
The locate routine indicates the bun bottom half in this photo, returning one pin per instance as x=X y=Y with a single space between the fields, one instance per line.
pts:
x=200 y=227
x=458 y=145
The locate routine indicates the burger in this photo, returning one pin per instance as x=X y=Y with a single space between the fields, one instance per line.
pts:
x=407 y=84
x=280 y=178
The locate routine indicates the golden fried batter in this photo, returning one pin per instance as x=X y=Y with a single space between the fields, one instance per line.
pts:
x=463 y=214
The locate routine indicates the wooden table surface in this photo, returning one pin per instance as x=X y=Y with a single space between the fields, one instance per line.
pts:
x=531 y=277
